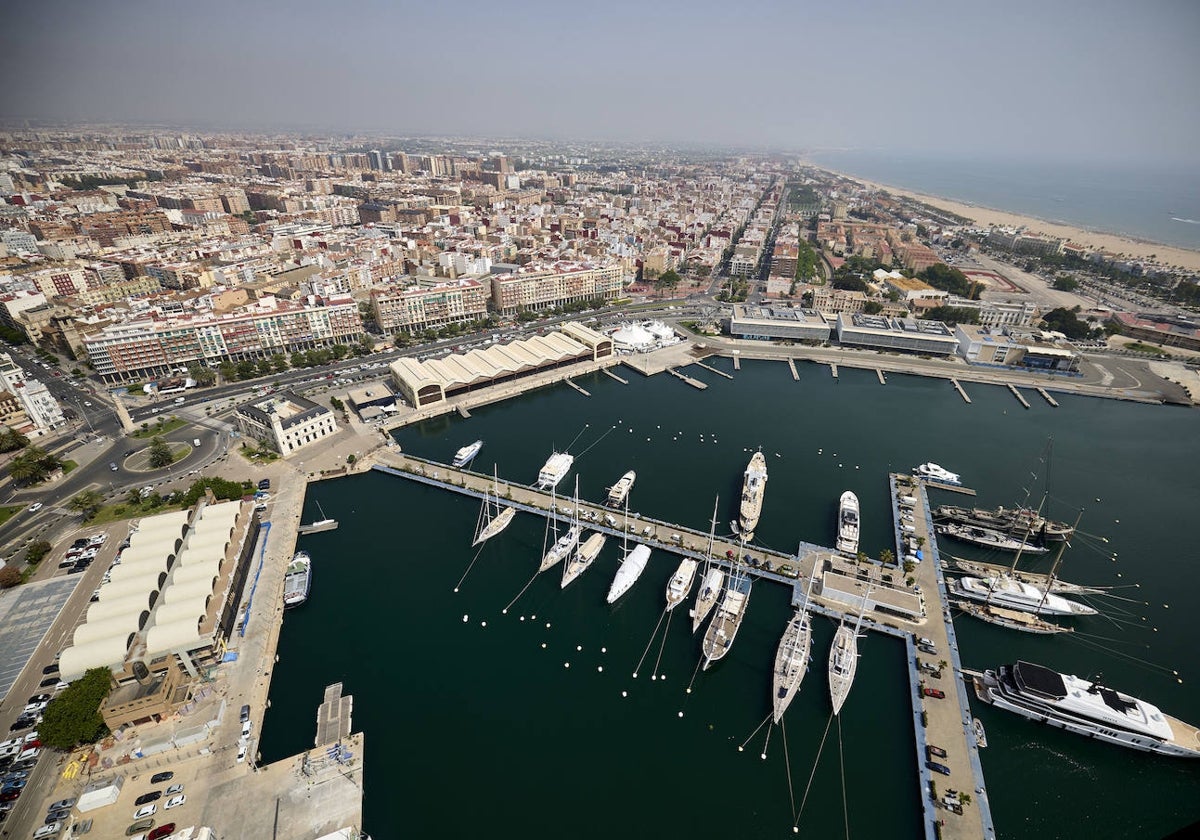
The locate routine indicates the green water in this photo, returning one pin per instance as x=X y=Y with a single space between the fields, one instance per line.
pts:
x=480 y=731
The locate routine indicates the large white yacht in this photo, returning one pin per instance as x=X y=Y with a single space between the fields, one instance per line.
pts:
x=619 y=491
x=754 y=483
x=467 y=454
x=630 y=570
x=933 y=472
x=848 y=524
x=1085 y=707
x=554 y=470
x=1005 y=591
x=297 y=580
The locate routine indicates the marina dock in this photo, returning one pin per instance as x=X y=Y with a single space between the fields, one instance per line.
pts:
x=1020 y=398
x=960 y=390
x=608 y=372
x=695 y=383
x=833 y=370
x=463 y=413
x=577 y=387
x=333 y=716
x=714 y=370
x=318 y=527
x=882 y=378
x=792 y=366
x=737 y=361
x=1046 y=396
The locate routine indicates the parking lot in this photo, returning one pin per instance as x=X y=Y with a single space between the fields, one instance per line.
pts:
x=27 y=613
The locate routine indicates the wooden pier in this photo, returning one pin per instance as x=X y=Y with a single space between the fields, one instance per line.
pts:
x=960 y=390
x=695 y=383
x=882 y=378
x=463 y=413
x=833 y=369
x=608 y=372
x=1021 y=399
x=577 y=387
x=1046 y=396
x=737 y=361
x=714 y=370
x=792 y=366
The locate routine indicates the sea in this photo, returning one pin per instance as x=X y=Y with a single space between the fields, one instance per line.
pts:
x=531 y=723
x=1157 y=202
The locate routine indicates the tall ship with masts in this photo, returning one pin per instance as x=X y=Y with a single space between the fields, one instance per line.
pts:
x=754 y=484
x=791 y=659
x=1014 y=522
x=583 y=558
x=843 y=658
x=728 y=620
x=565 y=544
x=710 y=584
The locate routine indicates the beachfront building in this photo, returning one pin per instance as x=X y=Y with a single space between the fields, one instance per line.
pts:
x=413 y=306
x=424 y=383
x=150 y=347
x=163 y=619
x=286 y=422
x=561 y=284
x=909 y=335
x=770 y=323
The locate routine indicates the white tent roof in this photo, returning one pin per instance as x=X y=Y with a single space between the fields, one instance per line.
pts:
x=193 y=609
x=119 y=625
x=110 y=607
x=196 y=571
x=178 y=635
x=187 y=589
x=102 y=653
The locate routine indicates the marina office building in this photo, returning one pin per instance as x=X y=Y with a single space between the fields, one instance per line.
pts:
x=877 y=332
x=286 y=422
x=765 y=323
x=432 y=381
x=162 y=621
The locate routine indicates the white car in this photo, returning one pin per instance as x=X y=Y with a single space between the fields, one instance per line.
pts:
x=175 y=802
x=35 y=507
x=48 y=830
x=172 y=790
x=241 y=756
x=145 y=811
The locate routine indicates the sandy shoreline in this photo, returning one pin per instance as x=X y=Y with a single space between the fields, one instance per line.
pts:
x=1170 y=255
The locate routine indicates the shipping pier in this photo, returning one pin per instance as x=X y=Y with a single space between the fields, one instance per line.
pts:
x=893 y=605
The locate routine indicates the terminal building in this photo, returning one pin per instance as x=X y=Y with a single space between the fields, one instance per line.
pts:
x=995 y=346
x=424 y=383
x=908 y=335
x=286 y=422
x=768 y=323
x=162 y=621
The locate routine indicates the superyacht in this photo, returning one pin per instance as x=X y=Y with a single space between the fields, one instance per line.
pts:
x=296 y=580
x=554 y=470
x=753 y=485
x=932 y=472
x=467 y=454
x=619 y=491
x=848 y=524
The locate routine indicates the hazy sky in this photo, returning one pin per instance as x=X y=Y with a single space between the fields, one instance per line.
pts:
x=1097 y=79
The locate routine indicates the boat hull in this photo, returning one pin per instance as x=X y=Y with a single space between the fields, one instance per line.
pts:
x=843 y=664
x=706 y=598
x=791 y=663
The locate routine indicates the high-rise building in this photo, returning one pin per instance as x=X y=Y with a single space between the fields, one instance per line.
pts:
x=416 y=308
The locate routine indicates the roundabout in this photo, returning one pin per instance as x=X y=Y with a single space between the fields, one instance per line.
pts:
x=139 y=461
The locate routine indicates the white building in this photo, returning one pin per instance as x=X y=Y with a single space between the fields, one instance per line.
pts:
x=39 y=404
x=286 y=422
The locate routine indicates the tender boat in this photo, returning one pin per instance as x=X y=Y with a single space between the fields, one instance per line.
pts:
x=1086 y=707
x=932 y=472
x=296 y=580
x=467 y=454
x=848 y=524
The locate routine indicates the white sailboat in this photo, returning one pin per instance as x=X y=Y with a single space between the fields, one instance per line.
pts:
x=584 y=556
x=681 y=582
x=710 y=585
x=791 y=659
x=565 y=544
x=492 y=517
x=728 y=619
x=843 y=658
x=633 y=563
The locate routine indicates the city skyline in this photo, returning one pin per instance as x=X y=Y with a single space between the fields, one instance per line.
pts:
x=1111 y=84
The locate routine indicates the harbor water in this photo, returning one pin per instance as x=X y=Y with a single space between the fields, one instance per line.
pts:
x=532 y=725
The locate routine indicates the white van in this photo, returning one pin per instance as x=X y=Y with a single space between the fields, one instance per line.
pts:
x=908 y=500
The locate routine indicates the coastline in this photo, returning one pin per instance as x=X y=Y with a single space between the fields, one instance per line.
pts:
x=1170 y=255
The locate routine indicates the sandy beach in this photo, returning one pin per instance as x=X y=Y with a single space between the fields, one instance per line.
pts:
x=983 y=216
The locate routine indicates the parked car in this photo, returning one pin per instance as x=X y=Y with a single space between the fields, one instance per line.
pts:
x=172 y=790
x=175 y=802
x=62 y=803
x=264 y=484
x=934 y=750
x=112 y=465
x=164 y=776
x=938 y=768
x=35 y=507
x=48 y=830
x=145 y=811
x=161 y=831
x=934 y=692
x=58 y=816
x=145 y=798
x=245 y=714
x=39 y=698
x=139 y=826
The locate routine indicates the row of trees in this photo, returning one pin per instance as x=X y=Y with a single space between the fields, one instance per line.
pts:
x=12 y=440
x=232 y=371
x=33 y=465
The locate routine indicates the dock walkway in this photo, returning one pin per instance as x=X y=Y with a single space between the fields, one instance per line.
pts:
x=1020 y=397
x=961 y=392
x=792 y=367
x=695 y=383
x=711 y=369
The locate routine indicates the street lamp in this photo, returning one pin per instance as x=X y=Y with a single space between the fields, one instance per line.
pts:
x=84 y=414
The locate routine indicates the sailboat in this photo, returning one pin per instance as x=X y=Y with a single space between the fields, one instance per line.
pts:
x=710 y=586
x=633 y=564
x=725 y=624
x=1016 y=604
x=565 y=544
x=492 y=517
x=843 y=658
x=681 y=582
x=791 y=659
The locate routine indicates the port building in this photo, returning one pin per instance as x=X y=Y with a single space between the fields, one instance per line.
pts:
x=768 y=323
x=424 y=383
x=286 y=422
x=909 y=335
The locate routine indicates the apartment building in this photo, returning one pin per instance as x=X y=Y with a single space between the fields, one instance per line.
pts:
x=135 y=349
x=38 y=403
x=414 y=308
x=563 y=284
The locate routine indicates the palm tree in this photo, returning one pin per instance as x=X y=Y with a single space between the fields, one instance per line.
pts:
x=887 y=557
x=87 y=502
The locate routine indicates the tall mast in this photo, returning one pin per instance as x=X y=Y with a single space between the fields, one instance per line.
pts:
x=1054 y=568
